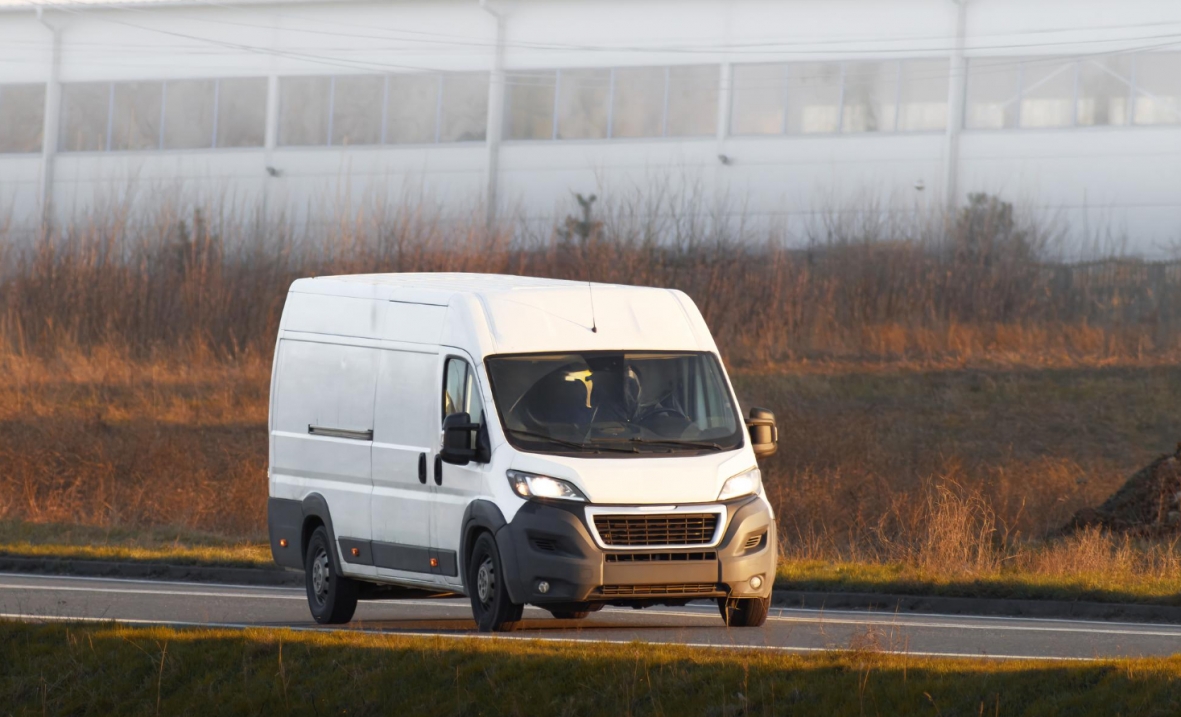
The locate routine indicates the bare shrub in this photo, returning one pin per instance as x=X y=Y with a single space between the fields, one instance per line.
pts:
x=978 y=289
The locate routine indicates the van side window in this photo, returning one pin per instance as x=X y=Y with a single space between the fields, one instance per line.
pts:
x=460 y=392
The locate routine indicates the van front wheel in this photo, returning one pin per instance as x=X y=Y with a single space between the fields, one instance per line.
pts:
x=492 y=608
x=331 y=596
x=744 y=612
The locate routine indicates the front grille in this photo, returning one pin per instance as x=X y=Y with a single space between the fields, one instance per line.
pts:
x=659 y=557
x=675 y=529
x=673 y=589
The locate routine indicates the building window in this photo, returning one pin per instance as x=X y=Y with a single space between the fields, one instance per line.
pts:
x=608 y=103
x=1104 y=91
x=758 y=99
x=22 y=118
x=136 y=118
x=994 y=88
x=813 y=98
x=177 y=114
x=305 y=106
x=356 y=110
x=1047 y=93
x=189 y=114
x=463 y=108
x=870 y=100
x=529 y=104
x=922 y=95
x=849 y=97
x=1157 y=88
x=241 y=112
x=692 y=107
x=638 y=107
x=584 y=100
x=86 y=114
x=412 y=109
x=375 y=109
x=1053 y=92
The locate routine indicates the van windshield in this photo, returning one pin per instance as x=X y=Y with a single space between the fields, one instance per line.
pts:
x=614 y=403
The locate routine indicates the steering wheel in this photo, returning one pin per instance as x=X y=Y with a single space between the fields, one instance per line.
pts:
x=666 y=411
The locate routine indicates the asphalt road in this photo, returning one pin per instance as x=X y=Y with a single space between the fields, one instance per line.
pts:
x=156 y=602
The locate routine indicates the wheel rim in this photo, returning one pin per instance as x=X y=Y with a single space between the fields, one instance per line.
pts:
x=486 y=581
x=321 y=576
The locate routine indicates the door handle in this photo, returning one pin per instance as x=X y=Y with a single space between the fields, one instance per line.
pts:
x=438 y=470
x=422 y=468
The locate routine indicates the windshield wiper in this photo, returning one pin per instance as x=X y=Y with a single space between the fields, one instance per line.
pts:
x=589 y=447
x=673 y=442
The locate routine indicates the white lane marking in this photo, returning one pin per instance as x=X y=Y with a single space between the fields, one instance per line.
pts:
x=966 y=626
x=908 y=622
x=707 y=608
x=130 y=591
x=527 y=638
x=982 y=618
x=147 y=581
x=856 y=618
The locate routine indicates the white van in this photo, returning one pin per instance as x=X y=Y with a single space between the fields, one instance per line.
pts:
x=519 y=441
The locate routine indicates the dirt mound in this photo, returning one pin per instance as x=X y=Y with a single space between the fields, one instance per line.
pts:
x=1149 y=503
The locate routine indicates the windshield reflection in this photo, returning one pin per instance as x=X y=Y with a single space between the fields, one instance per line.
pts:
x=614 y=402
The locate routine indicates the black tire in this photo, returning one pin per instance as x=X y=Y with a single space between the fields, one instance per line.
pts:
x=744 y=612
x=570 y=614
x=492 y=608
x=331 y=596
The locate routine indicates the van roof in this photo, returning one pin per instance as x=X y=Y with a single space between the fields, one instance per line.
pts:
x=499 y=313
x=461 y=282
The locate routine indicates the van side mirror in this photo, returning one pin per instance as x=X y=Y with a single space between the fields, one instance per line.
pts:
x=764 y=434
x=463 y=441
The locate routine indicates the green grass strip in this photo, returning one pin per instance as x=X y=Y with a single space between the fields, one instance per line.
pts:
x=101 y=669
x=1015 y=585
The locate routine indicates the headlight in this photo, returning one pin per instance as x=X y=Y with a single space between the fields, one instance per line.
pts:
x=531 y=485
x=742 y=484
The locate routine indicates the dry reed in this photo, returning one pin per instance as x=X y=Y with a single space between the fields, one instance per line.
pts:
x=137 y=351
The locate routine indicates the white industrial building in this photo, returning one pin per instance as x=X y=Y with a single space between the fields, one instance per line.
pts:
x=778 y=109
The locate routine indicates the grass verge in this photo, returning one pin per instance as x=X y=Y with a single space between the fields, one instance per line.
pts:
x=154 y=545
x=900 y=579
x=98 y=669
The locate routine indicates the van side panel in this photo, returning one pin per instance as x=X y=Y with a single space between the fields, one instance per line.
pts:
x=405 y=442
x=322 y=427
x=334 y=315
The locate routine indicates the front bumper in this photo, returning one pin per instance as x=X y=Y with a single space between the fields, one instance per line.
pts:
x=551 y=543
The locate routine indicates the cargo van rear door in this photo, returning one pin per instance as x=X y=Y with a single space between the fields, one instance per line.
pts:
x=322 y=431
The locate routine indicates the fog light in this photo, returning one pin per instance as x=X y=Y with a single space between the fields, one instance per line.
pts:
x=756 y=582
x=543 y=587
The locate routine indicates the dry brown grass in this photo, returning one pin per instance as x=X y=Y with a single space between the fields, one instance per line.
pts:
x=946 y=399
x=977 y=288
x=104 y=440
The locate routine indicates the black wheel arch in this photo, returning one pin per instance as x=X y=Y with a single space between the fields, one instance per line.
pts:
x=315 y=514
x=479 y=516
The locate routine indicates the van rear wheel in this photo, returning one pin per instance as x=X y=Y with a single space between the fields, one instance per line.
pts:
x=331 y=596
x=492 y=608
x=744 y=612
